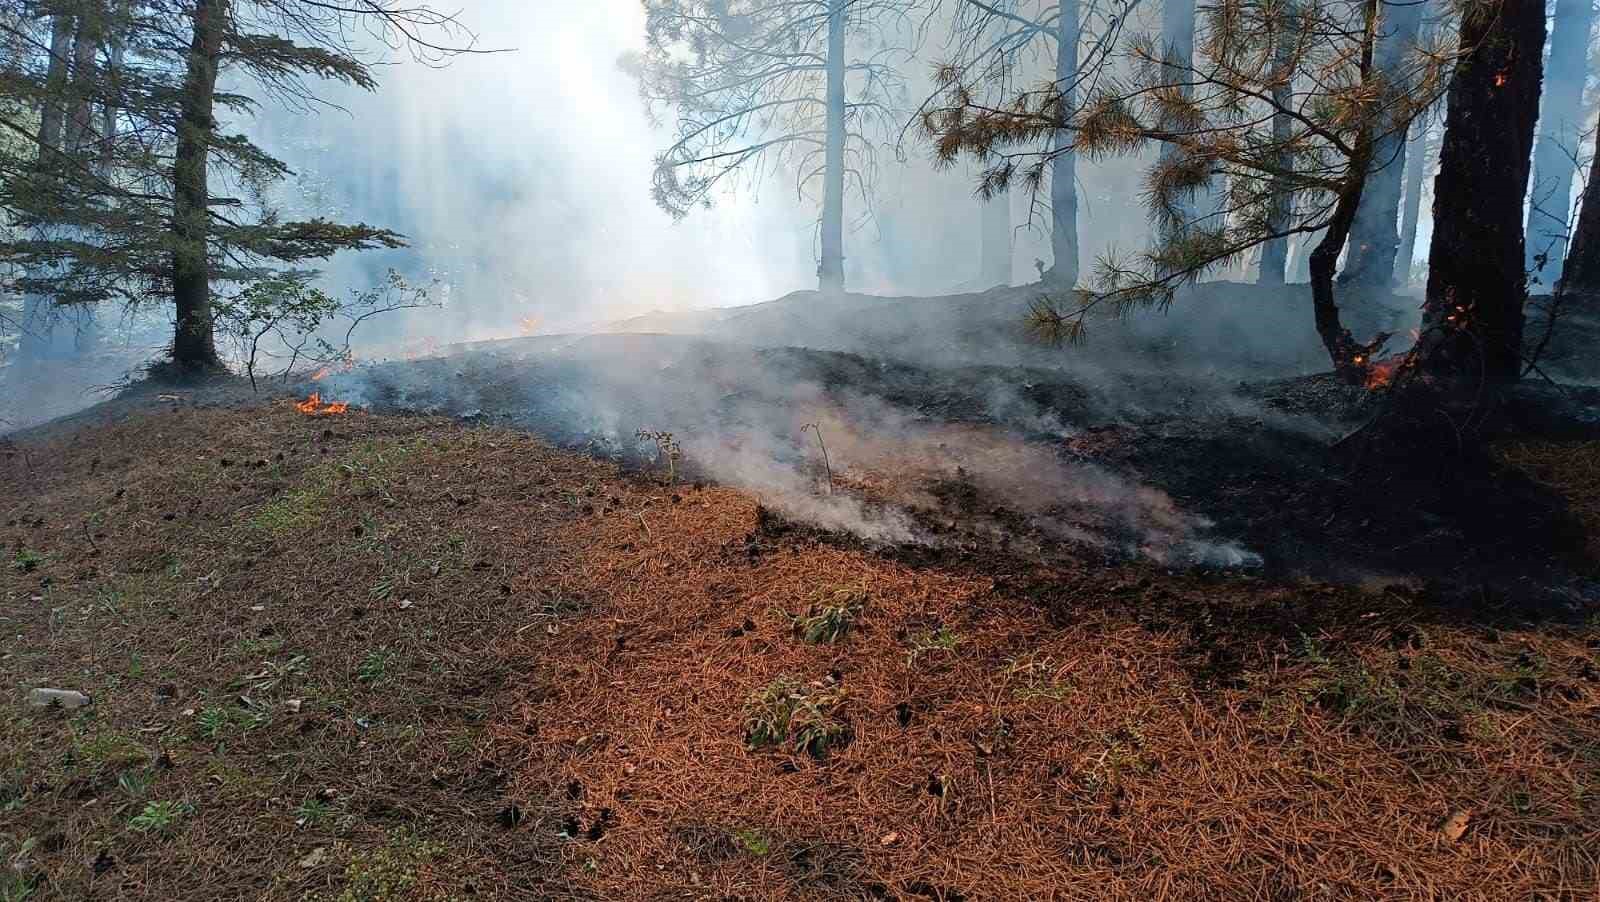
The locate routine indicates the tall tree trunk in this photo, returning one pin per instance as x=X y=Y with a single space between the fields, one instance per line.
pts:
x=1560 y=133
x=1472 y=319
x=53 y=116
x=1177 y=42
x=85 y=47
x=830 y=275
x=1275 y=253
x=1064 y=168
x=1419 y=165
x=1581 y=275
x=995 y=262
x=1374 y=237
x=38 y=311
x=193 y=344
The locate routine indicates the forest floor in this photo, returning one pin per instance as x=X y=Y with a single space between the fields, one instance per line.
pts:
x=368 y=657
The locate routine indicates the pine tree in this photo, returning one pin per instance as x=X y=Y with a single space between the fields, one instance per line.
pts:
x=803 y=85
x=103 y=212
x=1472 y=320
x=1220 y=120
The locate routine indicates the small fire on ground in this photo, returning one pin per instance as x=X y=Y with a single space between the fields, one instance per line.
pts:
x=313 y=406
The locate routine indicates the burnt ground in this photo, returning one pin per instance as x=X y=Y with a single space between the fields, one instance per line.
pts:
x=404 y=657
x=1260 y=461
x=392 y=655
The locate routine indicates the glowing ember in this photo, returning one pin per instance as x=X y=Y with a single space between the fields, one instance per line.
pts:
x=1382 y=372
x=1500 y=80
x=313 y=406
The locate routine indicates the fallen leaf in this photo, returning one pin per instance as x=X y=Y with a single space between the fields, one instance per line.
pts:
x=889 y=839
x=315 y=858
x=1456 y=824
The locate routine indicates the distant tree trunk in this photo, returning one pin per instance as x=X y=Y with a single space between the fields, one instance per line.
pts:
x=194 y=344
x=1560 y=133
x=1374 y=238
x=118 y=44
x=995 y=263
x=1419 y=165
x=1581 y=275
x=830 y=275
x=85 y=47
x=1064 y=168
x=1472 y=319
x=1177 y=47
x=1275 y=253
x=38 y=311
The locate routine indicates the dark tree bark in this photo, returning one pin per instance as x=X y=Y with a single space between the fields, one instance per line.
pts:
x=1352 y=360
x=194 y=344
x=1472 y=322
x=1560 y=133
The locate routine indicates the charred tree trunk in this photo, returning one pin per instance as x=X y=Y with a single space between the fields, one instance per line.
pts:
x=995 y=263
x=1064 y=168
x=1351 y=360
x=1472 y=320
x=1275 y=253
x=1374 y=237
x=830 y=275
x=1560 y=133
x=1419 y=164
x=1581 y=275
x=194 y=344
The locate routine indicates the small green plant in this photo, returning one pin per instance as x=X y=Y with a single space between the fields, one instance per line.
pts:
x=160 y=817
x=830 y=616
x=212 y=722
x=386 y=874
x=783 y=711
x=932 y=641
x=1312 y=651
x=375 y=666
x=135 y=783
x=754 y=841
x=1039 y=679
x=667 y=450
x=312 y=811
x=17 y=887
x=26 y=560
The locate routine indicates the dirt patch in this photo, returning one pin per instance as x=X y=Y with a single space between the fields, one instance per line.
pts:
x=286 y=626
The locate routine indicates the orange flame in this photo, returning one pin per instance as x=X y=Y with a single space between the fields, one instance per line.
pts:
x=1500 y=79
x=313 y=406
x=529 y=325
x=320 y=374
x=1382 y=372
